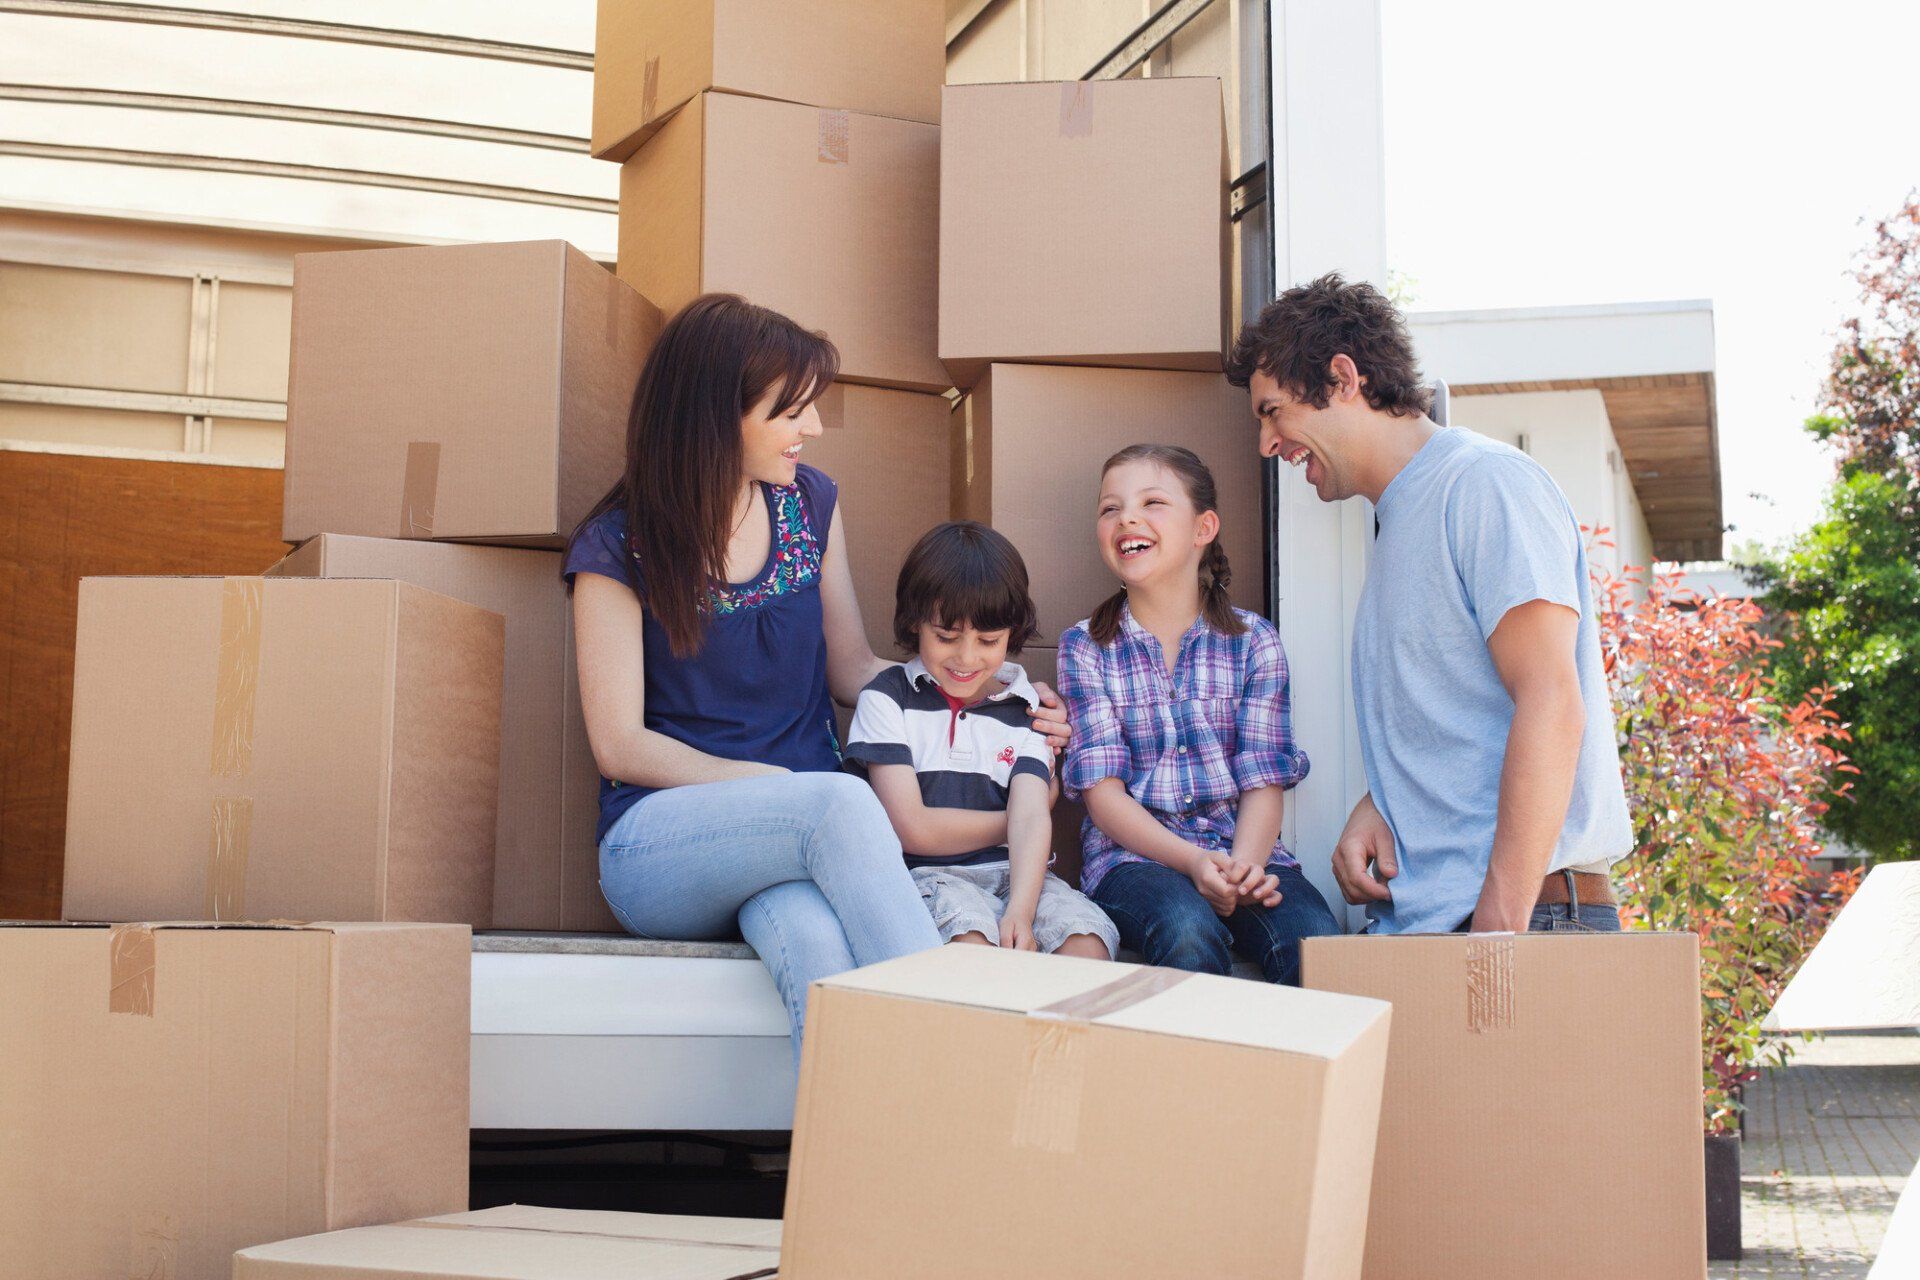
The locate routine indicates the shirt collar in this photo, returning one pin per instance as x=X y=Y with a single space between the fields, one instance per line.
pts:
x=1010 y=674
x=1129 y=626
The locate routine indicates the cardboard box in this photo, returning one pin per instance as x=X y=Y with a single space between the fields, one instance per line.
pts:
x=476 y=392
x=1031 y=439
x=546 y=864
x=1542 y=1106
x=888 y=451
x=268 y=748
x=970 y=1098
x=883 y=57
x=171 y=1093
x=1084 y=223
x=522 y=1242
x=848 y=244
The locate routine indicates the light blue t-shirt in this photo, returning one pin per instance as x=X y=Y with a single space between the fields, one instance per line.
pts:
x=1469 y=529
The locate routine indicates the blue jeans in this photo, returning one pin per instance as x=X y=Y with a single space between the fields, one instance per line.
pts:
x=1560 y=918
x=1163 y=917
x=804 y=866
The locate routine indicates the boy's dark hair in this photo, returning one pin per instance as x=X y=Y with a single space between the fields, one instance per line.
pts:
x=1298 y=334
x=963 y=574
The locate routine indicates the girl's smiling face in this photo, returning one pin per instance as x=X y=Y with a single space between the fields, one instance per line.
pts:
x=770 y=444
x=1148 y=529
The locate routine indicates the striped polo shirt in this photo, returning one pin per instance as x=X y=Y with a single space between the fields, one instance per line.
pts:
x=966 y=756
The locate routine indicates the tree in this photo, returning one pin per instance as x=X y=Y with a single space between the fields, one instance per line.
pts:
x=1726 y=781
x=1847 y=591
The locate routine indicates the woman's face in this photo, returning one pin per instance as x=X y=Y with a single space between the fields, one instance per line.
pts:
x=1148 y=530
x=770 y=445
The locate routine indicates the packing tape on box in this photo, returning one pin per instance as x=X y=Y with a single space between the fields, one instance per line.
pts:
x=237 y=678
x=1490 y=984
x=419 y=489
x=682 y=1241
x=1076 y=109
x=650 y=90
x=130 y=969
x=228 y=846
x=833 y=137
x=1046 y=1115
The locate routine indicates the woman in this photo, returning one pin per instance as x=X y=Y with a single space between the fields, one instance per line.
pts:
x=714 y=613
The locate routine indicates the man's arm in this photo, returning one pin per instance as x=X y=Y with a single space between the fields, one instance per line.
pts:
x=930 y=832
x=1533 y=650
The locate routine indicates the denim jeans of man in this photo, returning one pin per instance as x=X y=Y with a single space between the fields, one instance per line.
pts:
x=804 y=866
x=1163 y=917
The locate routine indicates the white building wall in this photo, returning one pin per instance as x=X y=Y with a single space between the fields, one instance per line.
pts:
x=1569 y=434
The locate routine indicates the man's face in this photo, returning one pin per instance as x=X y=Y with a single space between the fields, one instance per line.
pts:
x=1302 y=436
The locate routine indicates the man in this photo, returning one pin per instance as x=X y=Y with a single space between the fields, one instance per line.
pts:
x=1495 y=801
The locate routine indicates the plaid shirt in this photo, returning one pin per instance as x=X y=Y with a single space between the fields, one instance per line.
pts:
x=1187 y=744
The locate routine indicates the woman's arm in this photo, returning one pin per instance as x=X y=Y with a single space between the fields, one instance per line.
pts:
x=612 y=662
x=851 y=662
x=929 y=832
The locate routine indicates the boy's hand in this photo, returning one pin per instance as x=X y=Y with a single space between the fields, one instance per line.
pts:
x=1209 y=876
x=1016 y=930
x=1252 y=882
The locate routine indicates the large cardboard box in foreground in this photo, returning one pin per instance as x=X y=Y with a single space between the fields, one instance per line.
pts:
x=1542 y=1108
x=1084 y=223
x=1029 y=443
x=546 y=866
x=171 y=1093
x=522 y=1242
x=884 y=57
x=830 y=217
x=278 y=749
x=476 y=392
x=888 y=452
x=970 y=1111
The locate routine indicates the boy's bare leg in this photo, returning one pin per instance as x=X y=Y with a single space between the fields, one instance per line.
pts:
x=1084 y=945
x=979 y=939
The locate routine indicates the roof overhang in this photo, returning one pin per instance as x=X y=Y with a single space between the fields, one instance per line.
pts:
x=1653 y=364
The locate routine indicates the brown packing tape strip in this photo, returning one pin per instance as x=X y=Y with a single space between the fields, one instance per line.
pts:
x=420 y=489
x=1490 y=985
x=1076 y=109
x=237 y=677
x=606 y=1235
x=650 y=91
x=230 y=843
x=832 y=406
x=130 y=964
x=1046 y=1115
x=834 y=143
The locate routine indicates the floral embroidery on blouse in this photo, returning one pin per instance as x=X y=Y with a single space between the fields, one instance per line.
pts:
x=796 y=558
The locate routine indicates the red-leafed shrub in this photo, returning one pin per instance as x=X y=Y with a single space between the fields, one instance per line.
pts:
x=1726 y=783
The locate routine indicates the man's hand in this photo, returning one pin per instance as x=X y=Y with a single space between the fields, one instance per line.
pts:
x=1251 y=881
x=1050 y=717
x=1209 y=876
x=1016 y=928
x=1366 y=840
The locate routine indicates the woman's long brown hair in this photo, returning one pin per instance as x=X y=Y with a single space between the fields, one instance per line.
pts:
x=1215 y=574
x=712 y=363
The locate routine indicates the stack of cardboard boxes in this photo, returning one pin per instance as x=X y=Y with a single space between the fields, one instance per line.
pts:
x=385 y=728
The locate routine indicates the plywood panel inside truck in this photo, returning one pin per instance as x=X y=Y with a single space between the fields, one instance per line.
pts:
x=475 y=392
x=830 y=217
x=1083 y=223
x=886 y=57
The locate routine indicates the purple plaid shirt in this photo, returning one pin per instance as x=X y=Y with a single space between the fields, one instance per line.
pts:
x=1186 y=745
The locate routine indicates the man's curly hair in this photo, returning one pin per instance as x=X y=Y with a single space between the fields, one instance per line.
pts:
x=1298 y=334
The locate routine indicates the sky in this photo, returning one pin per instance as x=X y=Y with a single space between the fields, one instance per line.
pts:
x=1547 y=153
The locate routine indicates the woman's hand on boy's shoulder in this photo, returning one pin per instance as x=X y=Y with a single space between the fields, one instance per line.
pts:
x=1050 y=717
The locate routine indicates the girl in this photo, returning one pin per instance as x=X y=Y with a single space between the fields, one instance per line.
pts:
x=713 y=614
x=1183 y=742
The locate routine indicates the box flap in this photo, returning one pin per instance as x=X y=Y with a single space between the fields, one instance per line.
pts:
x=1161 y=1001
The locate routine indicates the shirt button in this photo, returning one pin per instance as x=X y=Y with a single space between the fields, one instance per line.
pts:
x=1183 y=748
x=1187 y=800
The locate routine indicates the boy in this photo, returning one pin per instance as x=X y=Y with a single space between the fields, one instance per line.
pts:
x=945 y=743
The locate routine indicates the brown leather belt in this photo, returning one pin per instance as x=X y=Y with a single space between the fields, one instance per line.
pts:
x=1592 y=888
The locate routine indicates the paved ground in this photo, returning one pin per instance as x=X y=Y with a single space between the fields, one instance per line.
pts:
x=1830 y=1143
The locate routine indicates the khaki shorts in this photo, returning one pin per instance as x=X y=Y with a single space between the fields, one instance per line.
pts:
x=971 y=899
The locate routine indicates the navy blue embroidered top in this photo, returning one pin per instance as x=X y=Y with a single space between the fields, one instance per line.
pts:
x=757 y=689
